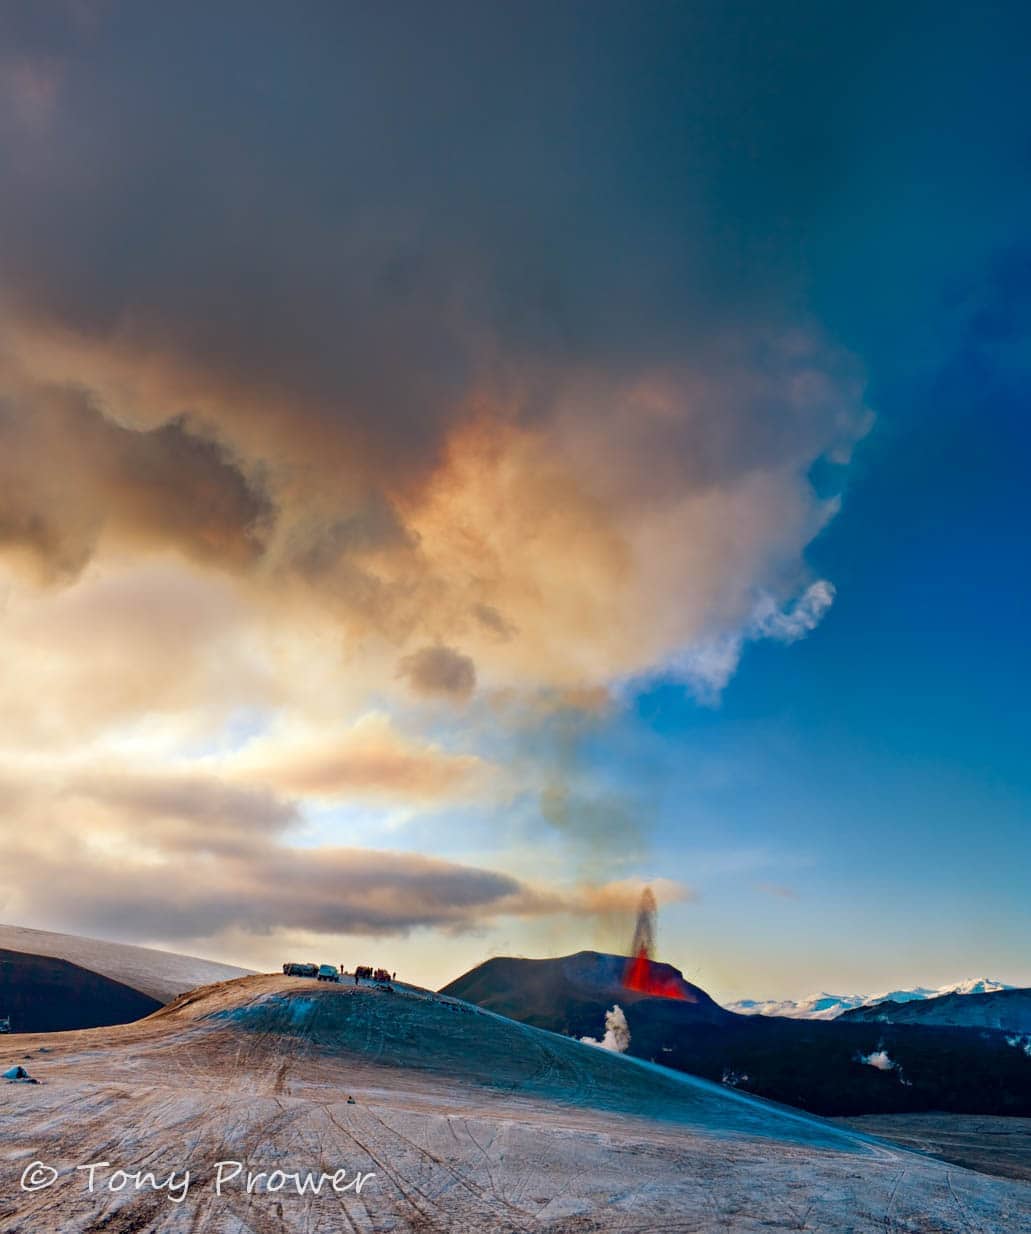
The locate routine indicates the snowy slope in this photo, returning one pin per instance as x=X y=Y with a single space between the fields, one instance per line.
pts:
x=829 y=1006
x=465 y=1121
x=162 y=975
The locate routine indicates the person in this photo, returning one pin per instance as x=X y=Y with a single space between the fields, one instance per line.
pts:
x=393 y=976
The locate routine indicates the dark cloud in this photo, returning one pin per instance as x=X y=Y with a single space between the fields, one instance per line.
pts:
x=69 y=476
x=493 y=621
x=188 y=813
x=333 y=268
x=271 y=888
x=199 y=855
x=440 y=671
x=374 y=212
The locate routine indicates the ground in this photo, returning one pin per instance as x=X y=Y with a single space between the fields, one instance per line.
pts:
x=465 y=1121
x=994 y=1145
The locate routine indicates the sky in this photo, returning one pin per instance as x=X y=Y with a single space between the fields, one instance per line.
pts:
x=462 y=464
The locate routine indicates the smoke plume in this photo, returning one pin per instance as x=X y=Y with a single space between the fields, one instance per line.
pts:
x=617 y=1032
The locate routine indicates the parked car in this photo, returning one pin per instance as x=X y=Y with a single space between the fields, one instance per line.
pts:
x=363 y=972
x=328 y=972
x=301 y=970
x=381 y=974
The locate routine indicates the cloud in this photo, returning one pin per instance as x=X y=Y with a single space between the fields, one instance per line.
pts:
x=297 y=432
x=440 y=671
x=191 y=856
x=70 y=478
x=132 y=648
x=382 y=393
x=709 y=666
x=795 y=622
x=264 y=890
x=370 y=759
x=189 y=814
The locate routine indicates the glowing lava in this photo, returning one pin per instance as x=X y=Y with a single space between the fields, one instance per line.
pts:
x=641 y=973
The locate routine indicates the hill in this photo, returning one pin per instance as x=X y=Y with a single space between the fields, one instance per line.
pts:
x=160 y=975
x=40 y=994
x=457 y=1120
x=1008 y=1010
x=832 y=1068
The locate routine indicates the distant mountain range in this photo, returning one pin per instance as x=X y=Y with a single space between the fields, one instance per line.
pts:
x=1007 y=1009
x=830 y=1006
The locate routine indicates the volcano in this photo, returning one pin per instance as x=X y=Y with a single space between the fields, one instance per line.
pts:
x=572 y=993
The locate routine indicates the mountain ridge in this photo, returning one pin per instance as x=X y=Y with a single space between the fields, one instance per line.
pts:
x=825 y=1006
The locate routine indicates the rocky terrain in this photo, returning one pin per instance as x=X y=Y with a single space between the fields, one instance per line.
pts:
x=995 y=1145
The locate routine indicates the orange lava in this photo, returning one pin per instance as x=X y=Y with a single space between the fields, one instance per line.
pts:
x=641 y=975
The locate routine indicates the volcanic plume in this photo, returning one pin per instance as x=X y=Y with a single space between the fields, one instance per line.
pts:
x=641 y=973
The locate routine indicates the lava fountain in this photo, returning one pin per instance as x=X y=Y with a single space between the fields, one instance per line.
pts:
x=641 y=973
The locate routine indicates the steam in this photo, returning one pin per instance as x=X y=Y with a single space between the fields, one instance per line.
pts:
x=617 y=1032
x=882 y=1061
x=878 y=1059
x=1020 y=1043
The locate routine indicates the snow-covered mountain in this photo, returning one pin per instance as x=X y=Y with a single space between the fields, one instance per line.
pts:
x=814 y=1007
x=162 y=975
x=1009 y=1010
x=829 y=1006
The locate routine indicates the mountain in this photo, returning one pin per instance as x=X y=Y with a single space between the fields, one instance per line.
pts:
x=456 y=1119
x=1005 y=1009
x=40 y=994
x=828 y=1067
x=160 y=975
x=572 y=993
x=814 y=1007
x=829 y=1006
